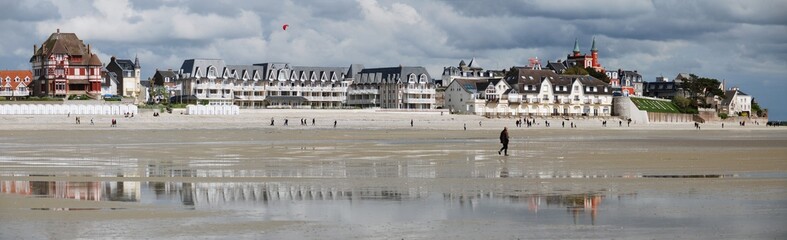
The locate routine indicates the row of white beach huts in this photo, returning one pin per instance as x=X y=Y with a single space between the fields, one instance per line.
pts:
x=212 y=110
x=57 y=109
x=105 y=109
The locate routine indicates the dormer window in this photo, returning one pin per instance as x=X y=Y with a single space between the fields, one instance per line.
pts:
x=16 y=79
x=211 y=72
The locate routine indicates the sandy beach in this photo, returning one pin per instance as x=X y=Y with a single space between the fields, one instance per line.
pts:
x=374 y=176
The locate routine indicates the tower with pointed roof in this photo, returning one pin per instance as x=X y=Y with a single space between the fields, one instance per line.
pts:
x=63 y=66
x=577 y=59
x=594 y=54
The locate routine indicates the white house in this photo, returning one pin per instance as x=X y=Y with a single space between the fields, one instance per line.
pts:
x=736 y=103
x=531 y=93
x=15 y=83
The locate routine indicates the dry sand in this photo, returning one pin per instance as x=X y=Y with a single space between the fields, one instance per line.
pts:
x=376 y=154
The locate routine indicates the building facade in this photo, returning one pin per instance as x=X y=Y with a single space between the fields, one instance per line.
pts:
x=128 y=76
x=15 y=83
x=736 y=103
x=271 y=85
x=64 y=65
x=393 y=88
x=532 y=93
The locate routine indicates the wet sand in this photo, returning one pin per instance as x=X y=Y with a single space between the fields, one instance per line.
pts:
x=375 y=177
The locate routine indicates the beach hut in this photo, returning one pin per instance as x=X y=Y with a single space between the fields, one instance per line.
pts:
x=114 y=110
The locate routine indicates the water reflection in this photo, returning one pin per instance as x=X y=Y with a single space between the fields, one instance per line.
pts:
x=250 y=195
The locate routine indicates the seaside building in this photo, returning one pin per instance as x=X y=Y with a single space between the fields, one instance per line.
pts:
x=630 y=82
x=532 y=92
x=273 y=85
x=128 y=76
x=455 y=96
x=109 y=83
x=15 y=83
x=392 y=87
x=64 y=65
x=736 y=103
x=168 y=80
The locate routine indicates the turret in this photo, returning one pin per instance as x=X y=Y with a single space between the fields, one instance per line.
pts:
x=576 y=47
x=594 y=53
x=136 y=62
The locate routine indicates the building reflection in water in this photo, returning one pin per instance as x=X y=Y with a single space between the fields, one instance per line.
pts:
x=88 y=191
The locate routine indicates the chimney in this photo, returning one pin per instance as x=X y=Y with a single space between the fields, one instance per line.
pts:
x=58 y=30
x=88 y=49
x=34 y=49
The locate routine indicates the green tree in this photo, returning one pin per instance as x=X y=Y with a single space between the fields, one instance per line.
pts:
x=701 y=88
x=159 y=91
x=575 y=71
x=511 y=73
x=755 y=108
x=683 y=104
x=598 y=75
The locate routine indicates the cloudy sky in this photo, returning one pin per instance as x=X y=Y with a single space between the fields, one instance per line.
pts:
x=743 y=42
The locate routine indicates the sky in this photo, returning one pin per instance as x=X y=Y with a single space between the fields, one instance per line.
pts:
x=742 y=42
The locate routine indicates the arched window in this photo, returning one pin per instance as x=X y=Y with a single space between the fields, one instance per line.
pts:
x=422 y=78
x=411 y=78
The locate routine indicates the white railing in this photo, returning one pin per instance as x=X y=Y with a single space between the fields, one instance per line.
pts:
x=362 y=91
x=14 y=93
x=362 y=101
x=419 y=91
x=420 y=100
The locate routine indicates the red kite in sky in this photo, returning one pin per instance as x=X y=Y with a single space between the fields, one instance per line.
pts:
x=284 y=27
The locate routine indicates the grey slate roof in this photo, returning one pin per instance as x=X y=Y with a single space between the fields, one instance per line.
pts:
x=192 y=67
x=390 y=74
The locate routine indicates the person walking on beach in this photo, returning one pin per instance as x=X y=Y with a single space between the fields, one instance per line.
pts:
x=286 y=122
x=504 y=141
x=465 y=126
x=91 y=121
x=334 y=123
x=313 y=121
x=271 y=121
x=411 y=123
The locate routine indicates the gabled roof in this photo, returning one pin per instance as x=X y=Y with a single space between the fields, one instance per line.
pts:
x=729 y=95
x=94 y=61
x=12 y=75
x=527 y=77
x=474 y=64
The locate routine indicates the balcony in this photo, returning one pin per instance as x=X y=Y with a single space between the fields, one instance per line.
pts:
x=362 y=91
x=363 y=102
x=419 y=91
x=14 y=93
x=420 y=100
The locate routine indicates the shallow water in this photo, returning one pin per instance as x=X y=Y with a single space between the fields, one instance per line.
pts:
x=394 y=188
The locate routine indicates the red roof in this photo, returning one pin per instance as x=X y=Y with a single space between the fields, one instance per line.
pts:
x=9 y=77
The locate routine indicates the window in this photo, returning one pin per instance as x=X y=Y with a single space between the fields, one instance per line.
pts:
x=211 y=72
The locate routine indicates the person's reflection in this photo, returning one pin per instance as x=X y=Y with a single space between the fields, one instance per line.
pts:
x=503 y=168
x=187 y=195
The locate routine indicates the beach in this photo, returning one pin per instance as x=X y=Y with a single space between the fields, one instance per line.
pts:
x=374 y=176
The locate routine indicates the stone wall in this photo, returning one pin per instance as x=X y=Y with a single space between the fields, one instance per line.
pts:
x=623 y=106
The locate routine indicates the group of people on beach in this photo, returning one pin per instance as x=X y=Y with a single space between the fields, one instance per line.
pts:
x=304 y=122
